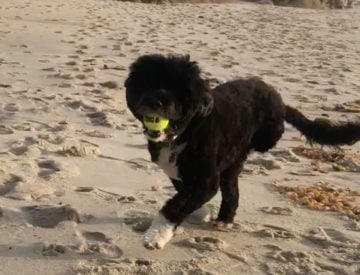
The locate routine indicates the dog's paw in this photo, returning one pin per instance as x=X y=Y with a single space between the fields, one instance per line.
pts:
x=228 y=227
x=160 y=232
x=200 y=215
x=220 y=224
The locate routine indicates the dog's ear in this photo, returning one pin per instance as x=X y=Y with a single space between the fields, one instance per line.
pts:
x=126 y=82
x=207 y=105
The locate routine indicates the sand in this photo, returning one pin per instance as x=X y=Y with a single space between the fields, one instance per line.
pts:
x=77 y=189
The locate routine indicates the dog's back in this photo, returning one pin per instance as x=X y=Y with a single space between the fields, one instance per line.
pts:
x=261 y=105
x=255 y=107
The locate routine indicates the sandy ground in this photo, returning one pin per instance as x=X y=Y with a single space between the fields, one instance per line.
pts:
x=77 y=189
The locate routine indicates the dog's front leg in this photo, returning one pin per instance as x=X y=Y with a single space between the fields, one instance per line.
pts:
x=200 y=215
x=160 y=232
x=177 y=209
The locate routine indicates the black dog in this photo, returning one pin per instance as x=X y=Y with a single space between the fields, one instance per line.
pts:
x=211 y=132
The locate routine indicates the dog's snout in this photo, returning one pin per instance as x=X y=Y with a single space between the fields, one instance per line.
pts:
x=159 y=101
x=155 y=103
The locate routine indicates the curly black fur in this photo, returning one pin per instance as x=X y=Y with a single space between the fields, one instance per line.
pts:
x=220 y=127
x=323 y=131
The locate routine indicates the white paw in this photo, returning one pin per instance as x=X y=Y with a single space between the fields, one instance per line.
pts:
x=233 y=227
x=200 y=215
x=160 y=232
x=220 y=224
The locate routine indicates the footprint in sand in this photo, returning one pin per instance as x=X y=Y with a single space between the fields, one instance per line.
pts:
x=81 y=76
x=267 y=163
x=44 y=61
x=131 y=265
x=97 y=242
x=81 y=148
x=12 y=107
x=71 y=63
x=142 y=164
x=84 y=189
x=31 y=191
x=347 y=107
x=95 y=133
x=138 y=220
x=198 y=271
x=48 y=167
x=99 y=119
x=3 y=85
x=65 y=85
x=49 y=69
x=349 y=257
x=9 y=184
x=74 y=56
x=277 y=210
x=87 y=70
x=24 y=146
x=329 y=237
x=354 y=225
x=126 y=199
x=109 y=84
x=52 y=249
x=81 y=105
x=5 y=130
x=63 y=76
x=275 y=232
x=105 y=195
x=95 y=236
x=205 y=243
x=20 y=182
x=83 y=47
x=48 y=216
x=229 y=227
x=80 y=52
x=92 y=242
x=295 y=262
x=105 y=119
x=52 y=138
x=285 y=155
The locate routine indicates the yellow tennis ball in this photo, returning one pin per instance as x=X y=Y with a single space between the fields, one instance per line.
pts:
x=155 y=122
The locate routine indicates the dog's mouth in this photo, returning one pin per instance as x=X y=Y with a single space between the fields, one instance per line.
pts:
x=158 y=128
x=166 y=135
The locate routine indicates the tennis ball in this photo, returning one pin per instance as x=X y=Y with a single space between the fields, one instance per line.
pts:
x=155 y=122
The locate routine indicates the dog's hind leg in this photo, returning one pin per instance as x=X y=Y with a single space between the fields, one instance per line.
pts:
x=230 y=193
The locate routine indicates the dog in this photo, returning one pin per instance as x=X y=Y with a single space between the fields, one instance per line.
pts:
x=210 y=133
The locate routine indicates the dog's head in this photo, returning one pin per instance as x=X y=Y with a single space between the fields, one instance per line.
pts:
x=169 y=86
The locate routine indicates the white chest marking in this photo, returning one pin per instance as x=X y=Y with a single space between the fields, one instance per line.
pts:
x=167 y=160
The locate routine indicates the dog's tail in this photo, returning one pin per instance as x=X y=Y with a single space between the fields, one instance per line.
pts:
x=323 y=131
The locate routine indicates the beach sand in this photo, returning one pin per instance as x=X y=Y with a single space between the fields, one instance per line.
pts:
x=77 y=189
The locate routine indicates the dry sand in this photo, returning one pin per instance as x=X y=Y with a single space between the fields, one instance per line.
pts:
x=76 y=186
